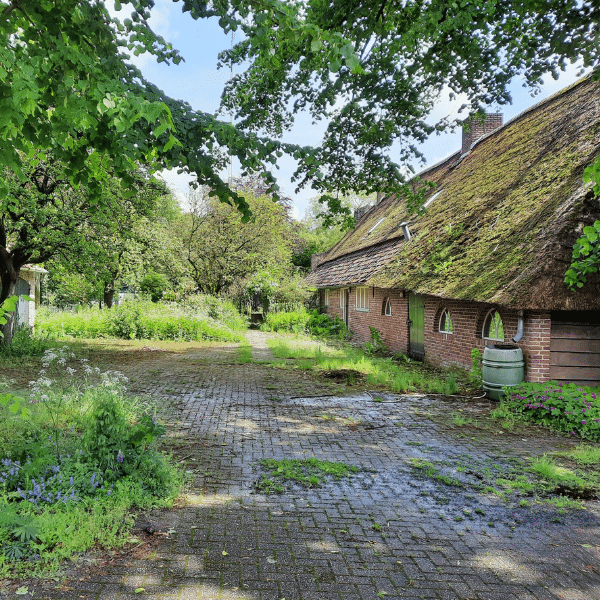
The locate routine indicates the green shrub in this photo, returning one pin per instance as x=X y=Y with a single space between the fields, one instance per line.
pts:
x=323 y=325
x=219 y=310
x=566 y=407
x=312 y=322
x=376 y=344
x=154 y=284
x=294 y=322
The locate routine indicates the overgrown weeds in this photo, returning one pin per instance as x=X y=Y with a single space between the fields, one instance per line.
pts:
x=202 y=318
x=313 y=322
x=398 y=376
x=543 y=479
x=310 y=472
x=74 y=459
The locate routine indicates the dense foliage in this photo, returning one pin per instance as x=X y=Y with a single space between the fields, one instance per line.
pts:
x=222 y=251
x=75 y=457
x=311 y=322
x=204 y=319
x=566 y=407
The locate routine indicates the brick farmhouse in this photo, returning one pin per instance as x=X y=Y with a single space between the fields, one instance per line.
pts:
x=485 y=262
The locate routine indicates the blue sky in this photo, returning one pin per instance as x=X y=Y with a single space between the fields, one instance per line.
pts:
x=198 y=81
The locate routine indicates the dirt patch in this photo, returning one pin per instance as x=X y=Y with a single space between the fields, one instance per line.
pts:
x=344 y=376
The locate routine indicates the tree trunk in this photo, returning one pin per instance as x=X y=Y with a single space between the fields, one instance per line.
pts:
x=109 y=293
x=9 y=288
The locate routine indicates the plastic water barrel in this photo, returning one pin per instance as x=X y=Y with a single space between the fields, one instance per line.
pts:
x=502 y=365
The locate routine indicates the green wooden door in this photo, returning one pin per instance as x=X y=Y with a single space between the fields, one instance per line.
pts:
x=416 y=317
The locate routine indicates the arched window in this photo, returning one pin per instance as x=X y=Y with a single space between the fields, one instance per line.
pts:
x=386 y=308
x=493 y=329
x=446 y=322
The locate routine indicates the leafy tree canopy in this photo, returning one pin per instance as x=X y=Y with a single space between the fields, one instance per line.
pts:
x=373 y=68
x=222 y=251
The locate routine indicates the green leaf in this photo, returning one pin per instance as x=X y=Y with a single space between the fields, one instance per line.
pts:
x=334 y=65
x=590 y=233
x=354 y=65
x=316 y=44
x=170 y=143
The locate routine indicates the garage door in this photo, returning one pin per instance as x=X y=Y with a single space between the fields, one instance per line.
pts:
x=575 y=351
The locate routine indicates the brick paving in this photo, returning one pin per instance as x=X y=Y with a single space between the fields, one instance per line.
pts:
x=383 y=533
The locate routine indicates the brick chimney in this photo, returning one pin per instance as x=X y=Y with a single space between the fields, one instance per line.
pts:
x=360 y=211
x=477 y=129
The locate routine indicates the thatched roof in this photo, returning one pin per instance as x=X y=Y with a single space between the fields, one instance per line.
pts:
x=356 y=267
x=503 y=223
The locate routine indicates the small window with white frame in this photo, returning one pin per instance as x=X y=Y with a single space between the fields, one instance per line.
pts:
x=342 y=298
x=493 y=328
x=446 y=325
x=362 y=298
x=387 y=307
x=325 y=297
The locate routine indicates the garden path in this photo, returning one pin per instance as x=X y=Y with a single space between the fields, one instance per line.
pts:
x=389 y=531
x=258 y=342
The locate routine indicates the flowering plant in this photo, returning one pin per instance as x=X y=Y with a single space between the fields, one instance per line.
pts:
x=568 y=407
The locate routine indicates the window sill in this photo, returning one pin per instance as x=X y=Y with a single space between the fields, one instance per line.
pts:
x=362 y=310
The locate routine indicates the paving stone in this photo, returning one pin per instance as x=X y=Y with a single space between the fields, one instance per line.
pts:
x=323 y=539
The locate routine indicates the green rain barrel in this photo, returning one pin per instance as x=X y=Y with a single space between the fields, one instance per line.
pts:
x=502 y=365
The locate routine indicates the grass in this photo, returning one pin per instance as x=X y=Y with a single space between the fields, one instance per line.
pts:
x=545 y=479
x=318 y=356
x=244 y=353
x=460 y=420
x=584 y=455
x=549 y=471
x=310 y=472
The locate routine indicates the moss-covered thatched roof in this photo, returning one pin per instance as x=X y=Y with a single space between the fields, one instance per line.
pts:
x=503 y=223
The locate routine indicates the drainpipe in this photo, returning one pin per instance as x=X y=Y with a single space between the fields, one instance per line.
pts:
x=520 y=327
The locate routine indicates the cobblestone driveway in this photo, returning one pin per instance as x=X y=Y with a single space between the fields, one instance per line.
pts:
x=383 y=533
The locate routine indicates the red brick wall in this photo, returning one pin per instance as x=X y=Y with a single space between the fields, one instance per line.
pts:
x=536 y=345
x=392 y=327
x=448 y=349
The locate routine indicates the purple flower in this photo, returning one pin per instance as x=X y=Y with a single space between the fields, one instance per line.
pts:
x=120 y=457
